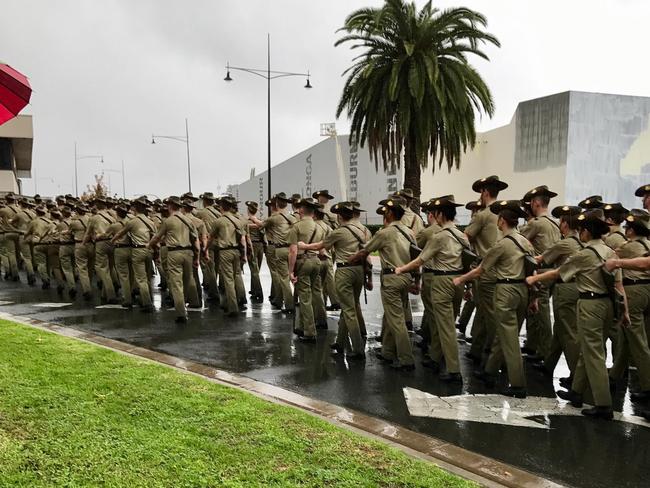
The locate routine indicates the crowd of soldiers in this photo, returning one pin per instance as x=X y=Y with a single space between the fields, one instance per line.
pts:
x=511 y=264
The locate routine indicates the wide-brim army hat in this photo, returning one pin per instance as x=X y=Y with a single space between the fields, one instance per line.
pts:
x=614 y=209
x=513 y=206
x=406 y=193
x=37 y=198
x=566 y=211
x=55 y=212
x=187 y=203
x=228 y=200
x=322 y=193
x=637 y=215
x=310 y=203
x=594 y=201
x=594 y=218
x=269 y=202
x=389 y=204
x=474 y=205
x=444 y=201
x=59 y=198
x=344 y=208
x=189 y=196
x=282 y=196
x=490 y=181
x=538 y=191
x=251 y=205
x=142 y=201
x=41 y=209
x=642 y=191
x=401 y=200
x=295 y=198
x=120 y=208
x=11 y=196
x=173 y=200
x=208 y=195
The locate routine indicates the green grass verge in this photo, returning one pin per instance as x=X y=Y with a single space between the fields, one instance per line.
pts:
x=74 y=414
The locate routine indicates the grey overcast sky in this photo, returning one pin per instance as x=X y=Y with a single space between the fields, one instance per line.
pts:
x=108 y=73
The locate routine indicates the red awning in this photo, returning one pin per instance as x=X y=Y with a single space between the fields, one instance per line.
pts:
x=15 y=92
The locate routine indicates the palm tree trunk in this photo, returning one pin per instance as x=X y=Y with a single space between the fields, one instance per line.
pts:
x=412 y=170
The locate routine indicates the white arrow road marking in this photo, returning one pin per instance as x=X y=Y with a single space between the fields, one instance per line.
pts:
x=3 y=302
x=496 y=409
x=111 y=305
x=52 y=305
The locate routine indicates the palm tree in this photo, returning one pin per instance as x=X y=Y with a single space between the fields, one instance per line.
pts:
x=413 y=89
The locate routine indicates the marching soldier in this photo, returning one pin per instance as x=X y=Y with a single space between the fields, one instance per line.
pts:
x=82 y=251
x=441 y=257
x=97 y=225
x=633 y=342
x=470 y=304
x=228 y=235
x=295 y=200
x=347 y=240
x=542 y=232
x=9 y=236
x=615 y=214
x=209 y=214
x=66 y=250
x=37 y=234
x=323 y=197
x=393 y=243
x=122 y=255
x=565 y=294
x=643 y=192
x=53 y=262
x=482 y=233
x=592 y=202
x=21 y=221
x=595 y=313
x=277 y=228
x=304 y=269
x=182 y=242
x=256 y=252
x=141 y=232
x=411 y=220
x=326 y=270
x=187 y=210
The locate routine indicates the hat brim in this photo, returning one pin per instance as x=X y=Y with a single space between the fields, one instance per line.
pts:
x=518 y=211
x=477 y=186
x=641 y=191
x=597 y=223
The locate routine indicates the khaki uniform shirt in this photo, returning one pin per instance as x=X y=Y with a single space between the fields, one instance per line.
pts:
x=225 y=230
x=40 y=229
x=413 y=221
x=344 y=243
x=327 y=229
x=22 y=219
x=616 y=237
x=542 y=232
x=156 y=218
x=7 y=213
x=79 y=225
x=116 y=227
x=442 y=251
x=393 y=247
x=139 y=230
x=331 y=219
x=559 y=252
x=635 y=248
x=482 y=231
x=98 y=223
x=424 y=236
x=63 y=231
x=198 y=223
x=209 y=216
x=177 y=231
x=585 y=266
x=277 y=227
x=306 y=230
x=256 y=233
x=505 y=258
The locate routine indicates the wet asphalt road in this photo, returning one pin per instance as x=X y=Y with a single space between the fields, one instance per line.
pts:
x=574 y=451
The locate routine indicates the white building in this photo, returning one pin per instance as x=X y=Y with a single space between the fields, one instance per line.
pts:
x=578 y=144
x=16 y=139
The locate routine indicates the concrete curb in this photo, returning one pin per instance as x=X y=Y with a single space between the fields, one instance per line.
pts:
x=467 y=464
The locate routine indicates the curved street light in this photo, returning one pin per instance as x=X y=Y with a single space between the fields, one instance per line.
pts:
x=78 y=158
x=186 y=140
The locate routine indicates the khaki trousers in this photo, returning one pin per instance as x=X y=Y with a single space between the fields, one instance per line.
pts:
x=349 y=282
x=124 y=268
x=82 y=258
x=428 y=325
x=510 y=303
x=8 y=249
x=327 y=278
x=591 y=370
x=141 y=259
x=445 y=299
x=565 y=329
x=310 y=294
x=26 y=253
x=282 y=272
x=254 y=268
x=180 y=279
x=54 y=264
x=395 y=342
x=66 y=258
x=538 y=326
x=483 y=330
x=103 y=250
x=229 y=268
x=209 y=270
x=40 y=260
x=633 y=342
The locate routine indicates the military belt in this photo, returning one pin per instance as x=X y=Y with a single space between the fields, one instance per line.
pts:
x=438 y=272
x=631 y=282
x=347 y=265
x=66 y=243
x=510 y=281
x=137 y=246
x=306 y=256
x=122 y=246
x=275 y=244
x=229 y=248
x=590 y=295
x=179 y=248
x=102 y=240
x=257 y=242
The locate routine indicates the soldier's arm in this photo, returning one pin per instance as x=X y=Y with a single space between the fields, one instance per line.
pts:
x=637 y=264
x=474 y=227
x=155 y=240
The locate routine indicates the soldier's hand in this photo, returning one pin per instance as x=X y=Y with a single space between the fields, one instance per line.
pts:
x=195 y=262
x=294 y=278
x=398 y=270
x=534 y=306
x=414 y=289
x=625 y=321
x=468 y=295
x=611 y=264
x=457 y=281
x=301 y=245
x=369 y=285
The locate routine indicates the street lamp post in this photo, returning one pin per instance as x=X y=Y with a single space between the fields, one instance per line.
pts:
x=268 y=75
x=186 y=140
x=76 y=159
